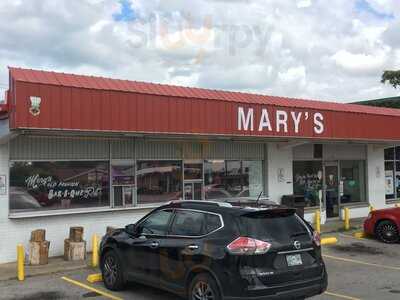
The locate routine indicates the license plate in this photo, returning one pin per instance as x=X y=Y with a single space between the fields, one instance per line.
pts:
x=294 y=260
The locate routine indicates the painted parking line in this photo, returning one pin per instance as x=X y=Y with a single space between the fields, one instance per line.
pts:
x=341 y=296
x=360 y=262
x=92 y=289
x=353 y=237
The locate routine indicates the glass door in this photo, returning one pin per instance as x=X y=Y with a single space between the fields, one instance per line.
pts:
x=331 y=189
x=193 y=180
x=193 y=190
x=123 y=183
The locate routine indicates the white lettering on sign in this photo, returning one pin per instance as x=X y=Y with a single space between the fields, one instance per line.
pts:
x=318 y=125
x=296 y=120
x=264 y=122
x=281 y=120
x=246 y=120
x=285 y=121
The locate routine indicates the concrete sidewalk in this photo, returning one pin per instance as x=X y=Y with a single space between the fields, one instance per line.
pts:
x=332 y=226
x=56 y=264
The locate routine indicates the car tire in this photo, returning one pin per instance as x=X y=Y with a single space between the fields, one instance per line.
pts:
x=387 y=232
x=203 y=286
x=112 y=272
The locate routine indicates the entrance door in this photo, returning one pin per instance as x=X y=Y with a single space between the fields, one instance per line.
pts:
x=193 y=190
x=331 y=189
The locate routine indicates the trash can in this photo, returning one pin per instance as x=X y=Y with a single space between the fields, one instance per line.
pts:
x=295 y=201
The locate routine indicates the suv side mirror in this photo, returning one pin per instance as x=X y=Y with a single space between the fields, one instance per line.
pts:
x=131 y=229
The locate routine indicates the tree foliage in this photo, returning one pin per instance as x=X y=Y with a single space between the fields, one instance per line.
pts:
x=393 y=77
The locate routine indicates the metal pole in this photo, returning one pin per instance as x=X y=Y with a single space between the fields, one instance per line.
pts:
x=95 y=251
x=20 y=262
x=317 y=220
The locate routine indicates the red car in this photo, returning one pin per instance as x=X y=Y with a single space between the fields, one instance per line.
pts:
x=384 y=224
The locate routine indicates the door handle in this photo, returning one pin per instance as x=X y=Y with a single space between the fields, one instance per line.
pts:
x=154 y=245
x=193 y=247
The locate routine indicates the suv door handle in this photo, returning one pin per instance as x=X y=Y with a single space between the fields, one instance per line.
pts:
x=193 y=247
x=154 y=244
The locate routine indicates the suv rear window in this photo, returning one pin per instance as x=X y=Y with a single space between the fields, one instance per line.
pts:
x=280 y=227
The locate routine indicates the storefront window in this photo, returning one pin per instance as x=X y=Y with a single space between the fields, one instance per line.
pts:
x=307 y=179
x=232 y=178
x=193 y=170
x=159 y=181
x=392 y=173
x=352 y=174
x=36 y=186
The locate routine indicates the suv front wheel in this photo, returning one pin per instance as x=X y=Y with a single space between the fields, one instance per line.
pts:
x=203 y=287
x=111 y=269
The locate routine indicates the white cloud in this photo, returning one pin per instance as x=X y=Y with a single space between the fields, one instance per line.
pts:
x=299 y=48
x=360 y=62
x=304 y=3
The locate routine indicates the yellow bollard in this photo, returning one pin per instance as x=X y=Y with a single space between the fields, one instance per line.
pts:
x=317 y=220
x=346 y=218
x=371 y=208
x=20 y=262
x=95 y=251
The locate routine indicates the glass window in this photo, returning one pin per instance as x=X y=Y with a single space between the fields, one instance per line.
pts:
x=232 y=178
x=389 y=154
x=276 y=227
x=389 y=180
x=213 y=222
x=123 y=173
x=193 y=171
x=254 y=177
x=397 y=150
x=307 y=180
x=397 y=179
x=123 y=196
x=38 y=186
x=157 y=223
x=188 y=223
x=159 y=181
x=215 y=179
x=318 y=150
x=353 y=180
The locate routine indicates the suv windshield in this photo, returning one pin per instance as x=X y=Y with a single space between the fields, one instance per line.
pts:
x=278 y=227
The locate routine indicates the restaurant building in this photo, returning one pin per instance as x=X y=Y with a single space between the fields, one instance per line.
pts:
x=97 y=152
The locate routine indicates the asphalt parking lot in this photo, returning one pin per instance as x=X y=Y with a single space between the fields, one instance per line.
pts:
x=357 y=268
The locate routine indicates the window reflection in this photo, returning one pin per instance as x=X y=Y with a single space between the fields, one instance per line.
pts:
x=307 y=180
x=159 y=181
x=353 y=179
x=232 y=178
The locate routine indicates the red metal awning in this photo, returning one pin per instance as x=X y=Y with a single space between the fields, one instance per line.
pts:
x=58 y=101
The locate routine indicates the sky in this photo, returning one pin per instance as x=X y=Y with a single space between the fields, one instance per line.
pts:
x=315 y=49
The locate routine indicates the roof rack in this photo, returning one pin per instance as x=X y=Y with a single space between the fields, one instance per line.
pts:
x=202 y=202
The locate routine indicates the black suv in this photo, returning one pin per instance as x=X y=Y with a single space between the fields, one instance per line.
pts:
x=210 y=250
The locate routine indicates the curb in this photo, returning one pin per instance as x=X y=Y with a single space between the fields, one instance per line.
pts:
x=44 y=273
x=329 y=241
x=93 y=278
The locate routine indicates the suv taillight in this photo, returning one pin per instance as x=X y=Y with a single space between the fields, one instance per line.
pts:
x=248 y=246
x=317 y=238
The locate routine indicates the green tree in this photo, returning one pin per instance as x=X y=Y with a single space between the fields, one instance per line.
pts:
x=393 y=77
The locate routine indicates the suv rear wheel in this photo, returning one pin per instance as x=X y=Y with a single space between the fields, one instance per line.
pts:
x=203 y=287
x=387 y=232
x=111 y=270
